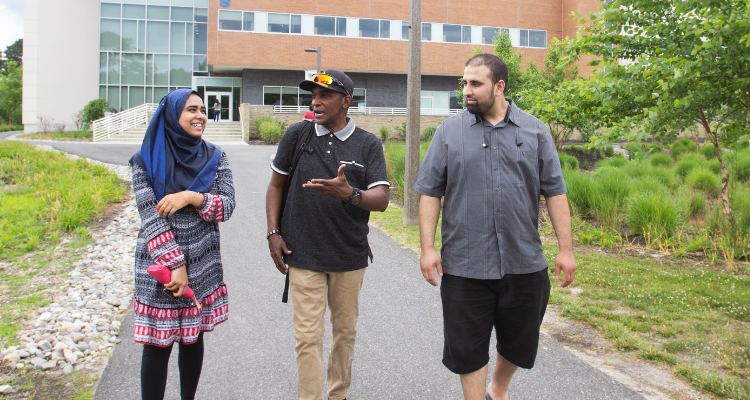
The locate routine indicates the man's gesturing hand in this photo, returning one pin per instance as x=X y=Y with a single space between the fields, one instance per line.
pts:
x=565 y=262
x=338 y=187
x=277 y=246
x=428 y=262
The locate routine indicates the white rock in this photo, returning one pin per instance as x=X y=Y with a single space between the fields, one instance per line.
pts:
x=60 y=346
x=22 y=353
x=68 y=369
x=11 y=358
x=70 y=356
x=45 y=317
x=48 y=365
x=5 y=389
x=44 y=345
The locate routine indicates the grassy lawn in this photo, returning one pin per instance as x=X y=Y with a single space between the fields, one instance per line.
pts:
x=86 y=136
x=692 y=319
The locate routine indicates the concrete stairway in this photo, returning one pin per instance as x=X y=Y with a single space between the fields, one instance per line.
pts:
x=215 y=132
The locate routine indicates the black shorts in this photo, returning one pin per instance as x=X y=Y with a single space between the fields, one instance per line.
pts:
x=514 y=305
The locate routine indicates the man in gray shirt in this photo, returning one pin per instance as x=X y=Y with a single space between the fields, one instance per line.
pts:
x=490 y=163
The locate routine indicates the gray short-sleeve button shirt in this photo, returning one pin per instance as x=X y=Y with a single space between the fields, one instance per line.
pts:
x=491 y=178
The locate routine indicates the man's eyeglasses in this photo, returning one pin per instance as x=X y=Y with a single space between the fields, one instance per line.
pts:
x=326 y=80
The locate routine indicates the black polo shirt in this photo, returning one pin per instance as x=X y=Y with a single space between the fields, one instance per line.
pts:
x=323 y=233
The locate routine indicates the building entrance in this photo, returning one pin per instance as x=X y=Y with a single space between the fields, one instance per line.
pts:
x=225 y=100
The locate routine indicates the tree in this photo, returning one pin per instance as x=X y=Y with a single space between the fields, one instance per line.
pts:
x=3 y=63
x=675 y=64
x=14 y=52
x=11 y=94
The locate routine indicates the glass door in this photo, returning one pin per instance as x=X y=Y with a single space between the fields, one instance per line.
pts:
x=225 y=102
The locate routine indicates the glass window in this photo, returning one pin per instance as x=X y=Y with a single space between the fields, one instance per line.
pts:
x=200 y=63
x=340 y=26
x=305 y=97
x=129 y=35
x=488 y=34
x=177 y=38
x=141 y=36
x=454 y=105
x=452 y=33
x=289 y=96
x=385 y=28
x=136 y=96
x=159 y=93
x=524 y=37
x=133 y=11
x=369 y=28
x=103 y=92
x=182 y=14
x=109 y=38
x=149 y=95
x=325 y=25
x=133 y=68
x=427 y=31
x=149 y=71
x=180 y=70
x=113 y=97
x=466 y=34
x=161 y=69
x=230 y=20
x=296 y=24
x=123 y=98
x=248 y=20
x=271 y=96
x=278 y=23
x=538 y=39
x=158 y=12
x=405 y=30
x=102 y=67
x=358 y=98
x=157 y=37
x=200 y=44
x=113 y=68
x=110 y=10
x=201 y=15
x=189 y=38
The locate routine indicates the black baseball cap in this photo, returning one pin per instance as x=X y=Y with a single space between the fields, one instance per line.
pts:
x=340 y=82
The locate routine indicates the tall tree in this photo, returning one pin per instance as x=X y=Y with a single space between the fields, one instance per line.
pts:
x=14 y=52
x=11 y=94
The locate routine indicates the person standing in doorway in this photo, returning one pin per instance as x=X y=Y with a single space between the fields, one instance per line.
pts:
x=217 y=110
x=490 y=163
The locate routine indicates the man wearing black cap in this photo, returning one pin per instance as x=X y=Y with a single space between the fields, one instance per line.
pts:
x=322 y=236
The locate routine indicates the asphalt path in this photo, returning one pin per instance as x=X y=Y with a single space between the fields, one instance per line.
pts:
x=399 y=344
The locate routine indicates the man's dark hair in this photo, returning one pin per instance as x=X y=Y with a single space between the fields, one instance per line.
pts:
x=310 y=107
x=498 y=69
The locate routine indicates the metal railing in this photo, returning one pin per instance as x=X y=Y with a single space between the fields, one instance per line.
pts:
x=369 y=110
x=118 y=123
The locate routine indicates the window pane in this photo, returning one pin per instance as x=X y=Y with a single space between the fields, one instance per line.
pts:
x=133 y=11
x=180 y=70
x=296 y=23
x=113 y=97
x=305 y=97
x=110 y=10
x=129 y=35
x=271 y=96
x=404 y=30
x=289 y=96
x=157 y=37
x=136 y=97
x=358 y=98
x=200 y=43
x=230 y=20
x=385 y=28
x=103 y=92
x=278 y=23
x=325 y=25
x=113 y=68
x=159 y=93
x=538 y=39
x=109 y=38
x=248 y=20
x=189 y=38
x=141 y=36
x=149 y=95
x=123 y=98
x=452 y=33
x=427 y=31
x=133 y=68
x=177 y=38
x=369 y=28
x=524 y=37
x=149 y=70
x=182 y=14
x=201 y=15
x=340 y=26
x=161 y=69
x=454 y=105
x=488 y=34
x=466 y=34
x=102 y=67
x=158 y=12
x=200 y=63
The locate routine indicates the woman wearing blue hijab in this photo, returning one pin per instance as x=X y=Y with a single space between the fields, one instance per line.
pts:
x=183 y=188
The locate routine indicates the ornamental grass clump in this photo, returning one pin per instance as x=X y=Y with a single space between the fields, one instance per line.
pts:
x=661 y=160
x=612 y=187
x=648 y=184
x=704 y=180
x=581 y=192
x=692 y=203
x=683 y=146
x=270 y=131
x=689 y=163
x=709 y=151
x=567 y=161
x=616 y=162
x=657 y=217
x=636 y=169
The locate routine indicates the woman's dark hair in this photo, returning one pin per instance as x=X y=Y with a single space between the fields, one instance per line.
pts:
x=498 y=69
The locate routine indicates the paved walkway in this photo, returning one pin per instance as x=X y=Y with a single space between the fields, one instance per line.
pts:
x=399 y=346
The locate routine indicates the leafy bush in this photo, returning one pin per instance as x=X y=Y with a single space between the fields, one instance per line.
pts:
x=689 y=163
x=661 y=160
x=616 y=162
x=683 y=146
x=261 y=119
x=384 y=133
x=567 y=161
x=708 y=151
x=428 y=133
x=93 y=111
x=270 y=131
x=581 y=191
x=654 y=215
x=704 y=180
x=401 y=131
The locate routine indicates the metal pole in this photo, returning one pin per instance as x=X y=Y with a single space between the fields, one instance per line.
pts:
x=413 y=97
x=318 y=51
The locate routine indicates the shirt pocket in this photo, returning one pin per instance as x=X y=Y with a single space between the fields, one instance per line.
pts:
x=526 y=164
x=355 y=173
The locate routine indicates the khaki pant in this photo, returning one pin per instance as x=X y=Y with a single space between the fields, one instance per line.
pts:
x=310 y=290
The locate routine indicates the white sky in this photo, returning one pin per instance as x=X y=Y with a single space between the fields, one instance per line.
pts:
x=11 y=22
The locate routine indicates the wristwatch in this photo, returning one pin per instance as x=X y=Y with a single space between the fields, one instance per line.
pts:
x=356 y=197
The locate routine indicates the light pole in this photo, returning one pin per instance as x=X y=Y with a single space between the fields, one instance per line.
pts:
x=315 y=51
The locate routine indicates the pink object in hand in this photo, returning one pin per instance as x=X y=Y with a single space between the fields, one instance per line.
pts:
x=163 y=275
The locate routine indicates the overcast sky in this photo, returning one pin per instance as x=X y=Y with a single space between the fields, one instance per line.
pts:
x=11 y=22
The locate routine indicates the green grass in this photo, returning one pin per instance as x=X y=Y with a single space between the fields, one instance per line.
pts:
x=567 y=161
x=651 y=215
x=702 y=179
x=72 y=135
x=661 y=160
x=581 y=192
x=395 y=159
x=683 y=146
x=9 y=128
x=688 y=163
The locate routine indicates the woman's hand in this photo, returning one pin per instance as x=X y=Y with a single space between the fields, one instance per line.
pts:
x=171 y=203
x=179 y=282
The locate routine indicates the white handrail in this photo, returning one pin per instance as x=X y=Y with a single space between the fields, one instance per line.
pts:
x=118 y=123
x=369 y=110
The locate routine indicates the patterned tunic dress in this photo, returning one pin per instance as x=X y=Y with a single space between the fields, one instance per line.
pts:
x=188 y=238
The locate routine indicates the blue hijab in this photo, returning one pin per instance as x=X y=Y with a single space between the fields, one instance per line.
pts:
x=174 y=160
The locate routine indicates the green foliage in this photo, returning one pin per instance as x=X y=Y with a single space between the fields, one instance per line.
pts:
x=14 y=53
x=384 y=133
x=270 y=131
x=709 y=151
x=586 y=165
x=581 y=192
x=742 y=171
x=428 y=133
x=92 y=111
x=692 y=204
x=661 y=160
x=648 y=184
x=611 y=189
x=616 y=162
x=609 y=151
x=653 y=215
x=401 y=131
x=567 y=161
x=689 y=163
x=11 y=128
x=714 y=166
x=11 y=91
x=683 y=146
x=395 y=161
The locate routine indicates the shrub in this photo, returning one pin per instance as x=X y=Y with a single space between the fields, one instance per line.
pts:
x=586 y=165
x=708 y=151
x=384 y=133
x=683 y=146
x=609 y=151
x=714 y=166
x=428 y=133
x=742 y=170
x=693 y=203
x=636 y=169
x=93 y=111
x=648 y=184
x=401 y=131
x=612 y=186
x=740 y=200
x=689 y=163
x=704 y=180
x=261 y=119
x=664 y=175
x=661 y=160
x=270 y=131
x=581 y=192
x=616 y=162
x=567 y=161
x=654 y=215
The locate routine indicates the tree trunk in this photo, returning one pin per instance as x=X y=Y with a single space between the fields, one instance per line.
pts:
x=724 y=172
